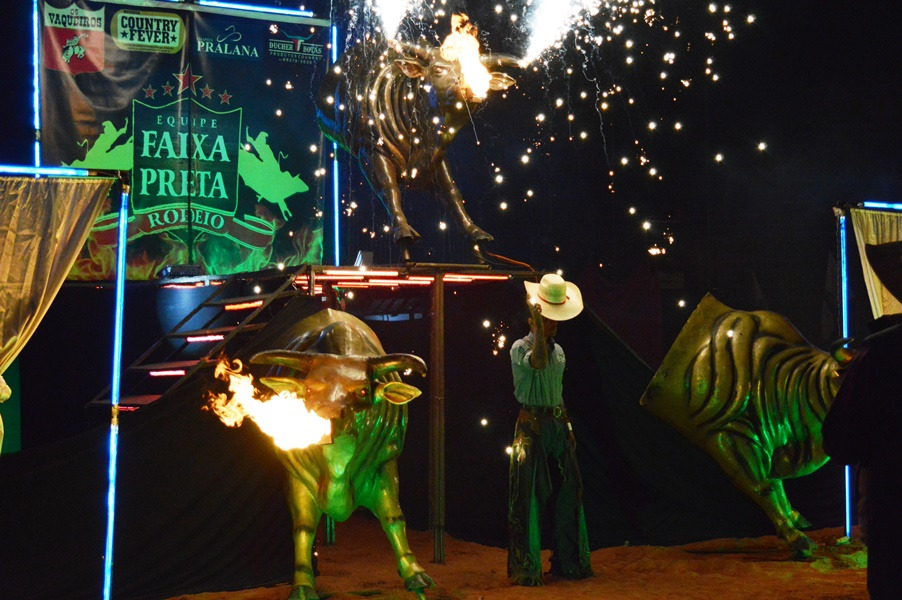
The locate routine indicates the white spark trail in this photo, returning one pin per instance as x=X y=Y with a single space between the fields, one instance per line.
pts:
x=548 y=21
x=391 y=13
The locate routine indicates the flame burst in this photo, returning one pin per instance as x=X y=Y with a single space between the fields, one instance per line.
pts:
x=282 y=416
x=462 y=45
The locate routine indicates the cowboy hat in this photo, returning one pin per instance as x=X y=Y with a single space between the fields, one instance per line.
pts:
x=560 y=300
x=886 y=260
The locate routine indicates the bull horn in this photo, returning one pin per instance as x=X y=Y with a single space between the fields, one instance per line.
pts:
x=299 y=361
x=840 y=353
x=494 y=61
x=383 y=365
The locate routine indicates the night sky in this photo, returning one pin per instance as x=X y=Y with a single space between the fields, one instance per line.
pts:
x=816 y=80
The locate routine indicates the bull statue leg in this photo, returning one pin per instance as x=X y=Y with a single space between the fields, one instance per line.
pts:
x=305 y=516
x=455 y=203
x=382 y=500
x=383 y=177
x=749 y=467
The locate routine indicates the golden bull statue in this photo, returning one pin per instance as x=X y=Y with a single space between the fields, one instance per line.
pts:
x=747 y=388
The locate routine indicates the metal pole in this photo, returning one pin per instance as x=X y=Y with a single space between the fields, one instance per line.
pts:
x=437 y=419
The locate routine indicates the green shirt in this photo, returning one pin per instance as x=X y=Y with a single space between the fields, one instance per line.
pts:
x=537 y=387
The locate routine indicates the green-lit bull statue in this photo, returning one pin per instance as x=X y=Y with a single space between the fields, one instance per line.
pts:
x=337 y=364
x=748 y=389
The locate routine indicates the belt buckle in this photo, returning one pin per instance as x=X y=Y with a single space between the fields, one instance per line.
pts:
x=557 y=411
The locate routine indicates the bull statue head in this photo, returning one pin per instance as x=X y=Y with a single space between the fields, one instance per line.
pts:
x=455 y=79
x=331 y=383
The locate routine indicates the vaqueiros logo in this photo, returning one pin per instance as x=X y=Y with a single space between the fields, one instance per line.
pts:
x=73 y=39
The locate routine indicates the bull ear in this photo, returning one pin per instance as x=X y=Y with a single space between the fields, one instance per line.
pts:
x=840 y=353
x=299 y=361
x=395 y=392
x=501 y=81
x=383 y=365
x=411 y=68
x=283 y=384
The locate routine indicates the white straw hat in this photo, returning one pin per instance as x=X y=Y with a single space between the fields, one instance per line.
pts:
x=560 y=300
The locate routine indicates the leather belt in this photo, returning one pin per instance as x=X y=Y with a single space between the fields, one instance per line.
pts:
x=546 y=411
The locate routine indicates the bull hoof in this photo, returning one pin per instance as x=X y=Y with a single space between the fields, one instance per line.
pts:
x=418 y=582
x=302 y=592
x=478 y=235
x=802 y=547
x=404 y=235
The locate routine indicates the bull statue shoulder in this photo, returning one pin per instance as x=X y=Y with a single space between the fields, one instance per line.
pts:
x=397 y=108
x=337 y=364
x=749 y=390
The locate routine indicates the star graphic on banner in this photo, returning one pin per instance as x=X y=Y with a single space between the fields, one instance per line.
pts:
x=167 y=89
x=207 y=91
x=149 y=92
x=187 y=80
x=224 y=97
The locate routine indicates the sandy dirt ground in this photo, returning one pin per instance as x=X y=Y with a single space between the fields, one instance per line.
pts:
x=360 y=565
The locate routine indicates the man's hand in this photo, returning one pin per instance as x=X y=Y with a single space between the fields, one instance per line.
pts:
x=539 y=357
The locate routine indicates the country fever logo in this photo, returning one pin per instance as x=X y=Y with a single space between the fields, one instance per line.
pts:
x=148 y=31
x=73 y=39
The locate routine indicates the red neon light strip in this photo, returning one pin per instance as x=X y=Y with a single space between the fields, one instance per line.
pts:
x=366 y=273
x=481 y=277
x=184 y=286
x=205 y=338
x=243 y=305
x=399 y=282
x=169 y=373
x=303 y=278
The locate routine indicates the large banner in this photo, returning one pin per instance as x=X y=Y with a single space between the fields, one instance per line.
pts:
x=210 y=112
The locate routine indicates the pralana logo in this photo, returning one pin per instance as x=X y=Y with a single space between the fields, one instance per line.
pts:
x=229 y=43
x=148 y=31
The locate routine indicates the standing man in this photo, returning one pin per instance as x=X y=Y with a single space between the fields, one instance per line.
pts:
x=543 y=460
x=862 y=428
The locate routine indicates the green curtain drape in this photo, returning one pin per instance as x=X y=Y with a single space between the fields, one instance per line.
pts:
x=876 y=227
x=44 y=223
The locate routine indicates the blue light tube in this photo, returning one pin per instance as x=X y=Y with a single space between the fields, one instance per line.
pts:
x=886 y=205
x=335 y=203
x=844 y=308
x=49 y=171
x=273 y=10
x=844 y=276
x=114 y=394
x=36 y=83
x=335 y=194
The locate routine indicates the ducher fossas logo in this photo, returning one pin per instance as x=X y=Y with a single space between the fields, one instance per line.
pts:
x=297 y=49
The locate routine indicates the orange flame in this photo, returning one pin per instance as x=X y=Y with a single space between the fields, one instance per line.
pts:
x=282 y=416
x=462 y=45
